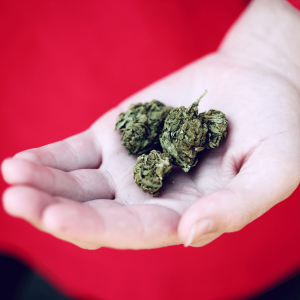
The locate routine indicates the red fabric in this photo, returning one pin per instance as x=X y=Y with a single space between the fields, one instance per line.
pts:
x=63 y=64
x=295 y=3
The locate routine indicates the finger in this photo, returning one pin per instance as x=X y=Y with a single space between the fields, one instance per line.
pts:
x=121 y=227
x=29 y=204
x=263 y=181
x=80 y=151
x=96 y=223
x=80 y=185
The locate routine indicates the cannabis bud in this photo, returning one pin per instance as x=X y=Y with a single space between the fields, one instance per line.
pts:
x=184 y=135
x=150 y=170
x=141 y=125
x=216 y=124
x=186 y=132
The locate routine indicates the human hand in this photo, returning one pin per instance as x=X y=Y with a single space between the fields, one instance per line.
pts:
x=81 y=189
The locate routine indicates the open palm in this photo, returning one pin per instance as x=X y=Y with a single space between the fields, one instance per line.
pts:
x=82 y=189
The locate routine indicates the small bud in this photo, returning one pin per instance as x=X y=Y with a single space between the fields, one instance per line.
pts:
x=150 y=170
x=216 y=124
x=141 y=125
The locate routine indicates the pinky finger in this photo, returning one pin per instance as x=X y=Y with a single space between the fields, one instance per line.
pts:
x=26 y=203
x=29 y=204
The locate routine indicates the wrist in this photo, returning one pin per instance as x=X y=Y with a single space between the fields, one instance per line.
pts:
x=267 y=35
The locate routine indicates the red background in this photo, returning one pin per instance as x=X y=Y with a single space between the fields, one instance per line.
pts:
x=63 y=64
x=295 y=3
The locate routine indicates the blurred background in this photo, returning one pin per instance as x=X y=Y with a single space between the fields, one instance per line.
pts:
x=18 y=282
x=65 y=63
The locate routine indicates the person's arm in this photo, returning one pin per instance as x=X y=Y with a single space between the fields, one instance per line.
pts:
x=265 y=39
x=267 y=35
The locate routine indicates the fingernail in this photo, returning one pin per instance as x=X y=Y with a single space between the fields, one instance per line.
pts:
x=199 y=229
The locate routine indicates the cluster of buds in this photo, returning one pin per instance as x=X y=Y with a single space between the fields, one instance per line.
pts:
x=180 y=132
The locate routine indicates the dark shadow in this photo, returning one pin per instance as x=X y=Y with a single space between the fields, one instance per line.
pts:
x=288 y=290
x=17 y=282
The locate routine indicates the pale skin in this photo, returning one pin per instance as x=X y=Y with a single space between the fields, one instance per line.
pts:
x=81 y=190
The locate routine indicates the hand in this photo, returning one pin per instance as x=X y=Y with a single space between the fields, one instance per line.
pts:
x=81 y=189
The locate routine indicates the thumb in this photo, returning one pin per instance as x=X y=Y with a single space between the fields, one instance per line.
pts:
x=252 y=192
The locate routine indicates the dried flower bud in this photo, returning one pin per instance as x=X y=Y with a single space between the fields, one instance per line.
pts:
x=150 y=170
x=186 y=132
x=141 y=125
x=184 y=135
x=216 y=124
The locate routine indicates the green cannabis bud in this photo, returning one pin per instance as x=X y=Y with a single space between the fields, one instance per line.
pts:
x=150 y=170
x=141 y=125
x=216 y=124
x=186 y=133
